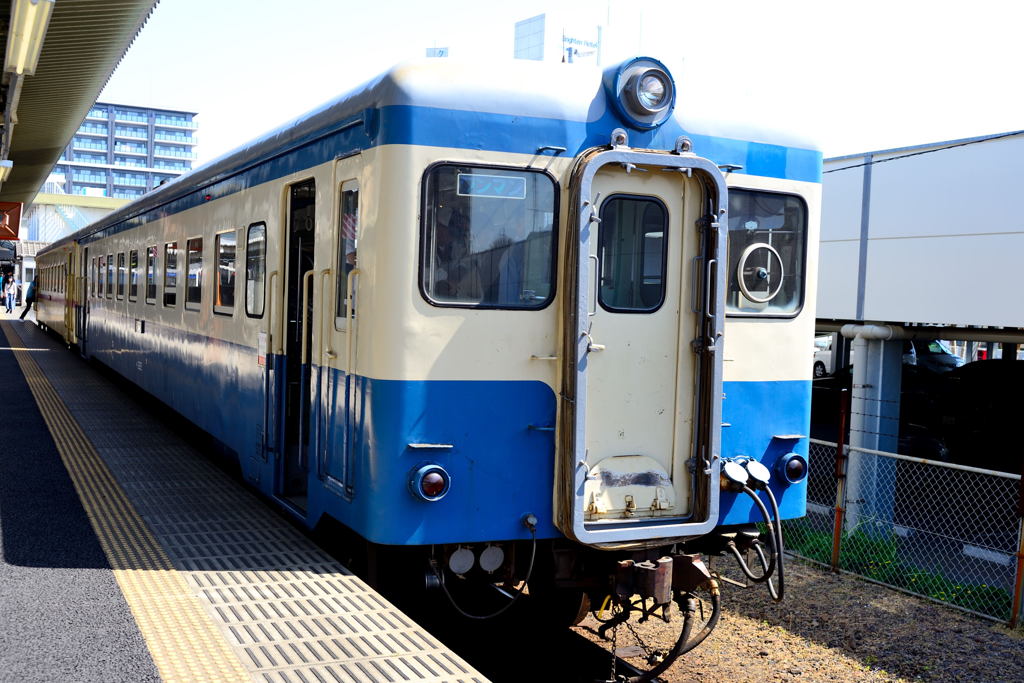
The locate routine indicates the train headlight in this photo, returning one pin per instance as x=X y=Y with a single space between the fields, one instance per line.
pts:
x=642 y=92
x=792 y=468
x=429 y=482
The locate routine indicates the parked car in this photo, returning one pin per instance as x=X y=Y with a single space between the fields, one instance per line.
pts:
x=822 y=356
x=931 y=354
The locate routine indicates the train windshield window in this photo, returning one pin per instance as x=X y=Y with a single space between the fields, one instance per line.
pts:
x=632 y=249
x=121 y=275
x=110 y=275
x=194 y=287
x=348 y=232
x=150 y=275
x=170 y=274
x=224 y=286
x=133 y=275
x=488 y=237
x=767 y=245
x=255 y=269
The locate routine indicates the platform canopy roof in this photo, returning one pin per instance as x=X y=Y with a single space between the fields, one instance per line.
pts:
x=84 y=42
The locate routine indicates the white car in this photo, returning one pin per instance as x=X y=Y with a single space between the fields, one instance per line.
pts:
x=823 y=356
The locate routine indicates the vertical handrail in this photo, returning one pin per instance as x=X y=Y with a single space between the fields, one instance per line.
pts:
x=269 y=293
x=840 y=474
x=351 y=319
x=307 y=278
x=324 y=348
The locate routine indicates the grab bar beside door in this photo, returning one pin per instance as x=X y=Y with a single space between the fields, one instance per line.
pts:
x=307 y=278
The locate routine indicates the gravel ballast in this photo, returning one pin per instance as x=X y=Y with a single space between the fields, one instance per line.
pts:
x=838 y=628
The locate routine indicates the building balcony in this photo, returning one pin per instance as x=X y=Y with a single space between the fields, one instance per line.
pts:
x=83 y=144
x=131 y=163
x=131 y=135
x=173 y=154
x=120 y=149
x=177 y=139
x=130 y=182
x=97 y=115
x=175 y=123
x=92 y=130
x=129 y=117
x=94 y=179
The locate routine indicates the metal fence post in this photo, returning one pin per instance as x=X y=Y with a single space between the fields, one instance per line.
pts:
x=1018 y=579
x=841 y=460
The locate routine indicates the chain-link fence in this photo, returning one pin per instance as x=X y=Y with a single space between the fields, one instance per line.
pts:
x=943 y=531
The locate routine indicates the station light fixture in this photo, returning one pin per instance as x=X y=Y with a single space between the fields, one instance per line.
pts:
x=5 y=169
x=29 y=19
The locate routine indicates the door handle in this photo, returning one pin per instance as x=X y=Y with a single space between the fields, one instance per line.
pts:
x=307 y=278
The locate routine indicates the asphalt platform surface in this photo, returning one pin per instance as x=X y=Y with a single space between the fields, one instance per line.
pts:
x=62 y=615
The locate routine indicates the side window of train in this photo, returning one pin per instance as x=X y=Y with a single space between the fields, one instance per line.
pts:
x=348 y=233
x=150 y=275
x=194 y=285
x=224 y=284
x=133 y=275
x=632 y=247
x=100 y=269
x=767 y=253
x=121 y=275
x=488 y=237
x=171 y=274
x=92 y=278
x=110 y=275
x=255 y=270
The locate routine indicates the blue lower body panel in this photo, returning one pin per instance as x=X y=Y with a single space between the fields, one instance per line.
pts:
x=767 y=420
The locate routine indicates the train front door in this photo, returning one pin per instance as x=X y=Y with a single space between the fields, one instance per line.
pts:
x=643 y=375
x=298 y=307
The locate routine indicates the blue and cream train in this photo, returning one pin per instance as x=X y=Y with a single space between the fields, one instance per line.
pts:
x=467 y=307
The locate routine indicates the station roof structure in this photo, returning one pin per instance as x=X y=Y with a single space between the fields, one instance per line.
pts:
x=83 y=44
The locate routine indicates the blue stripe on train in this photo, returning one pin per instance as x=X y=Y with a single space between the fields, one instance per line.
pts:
x=429 y=126
x=502 y=465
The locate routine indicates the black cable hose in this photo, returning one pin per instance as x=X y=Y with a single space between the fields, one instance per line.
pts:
x=684 y=644
x=779 y=548
x=768 y=568
x=512 y=601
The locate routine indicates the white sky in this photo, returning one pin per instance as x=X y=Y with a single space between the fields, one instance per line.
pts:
x=859 y=76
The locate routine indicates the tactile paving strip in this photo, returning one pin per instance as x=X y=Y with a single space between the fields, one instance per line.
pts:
x=289 y=610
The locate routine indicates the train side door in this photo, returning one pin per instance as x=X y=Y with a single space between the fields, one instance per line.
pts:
x=340 y=395
x=641 y=370
x=82 y=313
x=297 y=393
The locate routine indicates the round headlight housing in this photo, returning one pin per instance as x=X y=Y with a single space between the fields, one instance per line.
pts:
x=642 y=91
x=791 y=468
x=429 y=482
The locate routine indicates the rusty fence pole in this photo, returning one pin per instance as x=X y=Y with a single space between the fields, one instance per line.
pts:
x=840 y=473
x=1018 y=580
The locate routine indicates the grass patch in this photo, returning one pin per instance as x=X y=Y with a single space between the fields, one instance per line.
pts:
x=876 y=556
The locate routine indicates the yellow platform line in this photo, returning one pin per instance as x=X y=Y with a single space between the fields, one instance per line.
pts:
x=183 y=640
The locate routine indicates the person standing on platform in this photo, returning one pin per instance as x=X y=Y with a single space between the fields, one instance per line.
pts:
x=9 y=291
x=30 y=297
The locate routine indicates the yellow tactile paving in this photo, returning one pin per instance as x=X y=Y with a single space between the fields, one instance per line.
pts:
x=183 y=640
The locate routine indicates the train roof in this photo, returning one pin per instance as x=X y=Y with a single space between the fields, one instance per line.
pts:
x=514 y=106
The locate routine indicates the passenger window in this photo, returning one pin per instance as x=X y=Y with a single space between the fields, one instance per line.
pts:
x=133 y=275
x=151 y=275
x=348 y=233
x=121 y=275
x=110 y=275
x=194 y=287
x=632 y=248
x=224 y=293
x=171 y=274
x=100 y=269
x=92 y=278
x=488 y=237
x=255 y=270
x=767 y=245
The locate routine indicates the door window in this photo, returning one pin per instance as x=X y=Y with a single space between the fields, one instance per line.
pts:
x=632 y=248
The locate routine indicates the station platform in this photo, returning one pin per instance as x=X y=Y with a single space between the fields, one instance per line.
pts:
x=126 y=555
